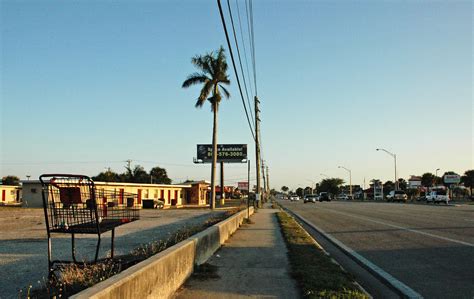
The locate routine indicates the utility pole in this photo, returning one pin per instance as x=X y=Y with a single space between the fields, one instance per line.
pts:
x=257 y=149
x=248 y=189
x=264 y=192
x=129 y=162
x=222 y=184
x=268 y=182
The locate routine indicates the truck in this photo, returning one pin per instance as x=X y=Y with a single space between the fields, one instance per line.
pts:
x=397 y=195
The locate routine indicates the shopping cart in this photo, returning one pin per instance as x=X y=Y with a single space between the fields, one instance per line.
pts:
x=72 y=205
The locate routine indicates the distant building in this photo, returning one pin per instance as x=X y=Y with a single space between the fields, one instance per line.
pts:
x=194 y=193
x=10 y=194
x=414 y=182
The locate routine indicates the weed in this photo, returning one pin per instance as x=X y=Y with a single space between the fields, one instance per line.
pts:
x=320 y=278
x=70 y=279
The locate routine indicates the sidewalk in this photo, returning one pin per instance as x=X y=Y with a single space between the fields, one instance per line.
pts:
x=252 y=264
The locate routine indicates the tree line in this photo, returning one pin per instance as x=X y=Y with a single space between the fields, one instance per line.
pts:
x=428 y=179
x=136 y=174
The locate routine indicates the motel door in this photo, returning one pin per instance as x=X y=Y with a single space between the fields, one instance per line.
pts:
x=120 y=196
x=139 y=197
x=3 y=195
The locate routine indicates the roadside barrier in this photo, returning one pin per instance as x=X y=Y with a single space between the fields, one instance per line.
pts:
x=162 y=274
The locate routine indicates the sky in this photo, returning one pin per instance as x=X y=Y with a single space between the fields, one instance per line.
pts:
x=86 y=85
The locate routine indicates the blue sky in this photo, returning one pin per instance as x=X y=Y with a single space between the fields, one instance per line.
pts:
x=89 y=84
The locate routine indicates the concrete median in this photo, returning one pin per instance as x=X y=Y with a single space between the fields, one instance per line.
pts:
x=161 y=275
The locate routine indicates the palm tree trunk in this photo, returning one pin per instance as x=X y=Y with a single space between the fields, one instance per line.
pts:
x=214 y=159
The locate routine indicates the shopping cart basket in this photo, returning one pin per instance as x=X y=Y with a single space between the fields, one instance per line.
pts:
x=72 y=205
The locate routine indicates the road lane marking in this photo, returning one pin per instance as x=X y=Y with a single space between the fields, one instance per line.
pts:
x=386 y=278
x=406 y=229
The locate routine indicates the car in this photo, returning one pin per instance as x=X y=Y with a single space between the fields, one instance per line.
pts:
x=397 y=195
x=342 y=196
x=310 y=198
x=437 y=196
x=422 y=196
x=294 y=198
x=324 y=196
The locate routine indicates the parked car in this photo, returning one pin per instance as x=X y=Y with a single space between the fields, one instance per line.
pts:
x=342 y=196
x=398 y=195
x=437 y=196
x=324 y=196
x=310 y=198
x=294 y=198
x=421 y=197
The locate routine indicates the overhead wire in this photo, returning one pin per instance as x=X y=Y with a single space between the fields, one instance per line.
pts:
x=235 y=68
x=245 y=54
x=252 y=36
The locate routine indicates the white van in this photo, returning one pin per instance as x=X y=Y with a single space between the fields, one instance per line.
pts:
x=437 y=196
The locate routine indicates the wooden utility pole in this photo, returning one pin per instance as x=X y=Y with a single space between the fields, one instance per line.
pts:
x=257 y=150
x=248 y=189
x=264 y=193
x=222 y=184
x=268 y=182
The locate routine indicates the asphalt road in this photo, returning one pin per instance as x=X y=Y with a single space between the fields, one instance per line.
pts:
x=430 y=248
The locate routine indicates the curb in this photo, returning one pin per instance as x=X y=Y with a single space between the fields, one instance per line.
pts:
x=161 y=275
x=399 y=287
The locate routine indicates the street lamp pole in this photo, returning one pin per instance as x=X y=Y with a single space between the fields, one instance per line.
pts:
x=312 y=186
x=350 y=179
x=436 y=176
x=395 y=160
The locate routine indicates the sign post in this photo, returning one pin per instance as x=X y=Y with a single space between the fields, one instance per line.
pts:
x=451 y=179
x=226 y=153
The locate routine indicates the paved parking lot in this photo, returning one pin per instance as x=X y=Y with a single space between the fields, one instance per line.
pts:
x=23 y=242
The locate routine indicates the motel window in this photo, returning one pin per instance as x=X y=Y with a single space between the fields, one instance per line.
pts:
x=33 y=190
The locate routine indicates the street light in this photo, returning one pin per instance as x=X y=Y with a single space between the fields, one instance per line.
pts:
x=395 y=159
x=350 y=179
x=436 y=176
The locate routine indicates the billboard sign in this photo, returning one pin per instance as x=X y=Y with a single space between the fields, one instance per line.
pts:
x=452 y=179
x=229 y=153
x=244 y=186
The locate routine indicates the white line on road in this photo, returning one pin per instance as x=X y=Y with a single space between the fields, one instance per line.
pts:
x=396 y=284
x=406 y=229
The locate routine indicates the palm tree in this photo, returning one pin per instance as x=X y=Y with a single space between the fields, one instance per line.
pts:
x=213 y=73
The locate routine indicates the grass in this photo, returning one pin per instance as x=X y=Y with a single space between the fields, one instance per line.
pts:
x=73 y=278
x=317 y=275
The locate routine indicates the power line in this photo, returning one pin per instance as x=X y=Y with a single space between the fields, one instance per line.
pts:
x=243 y=43
x=235 y=69
x=59 y=162
x=253 y=47
x=249 y=31
x=238 y=53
